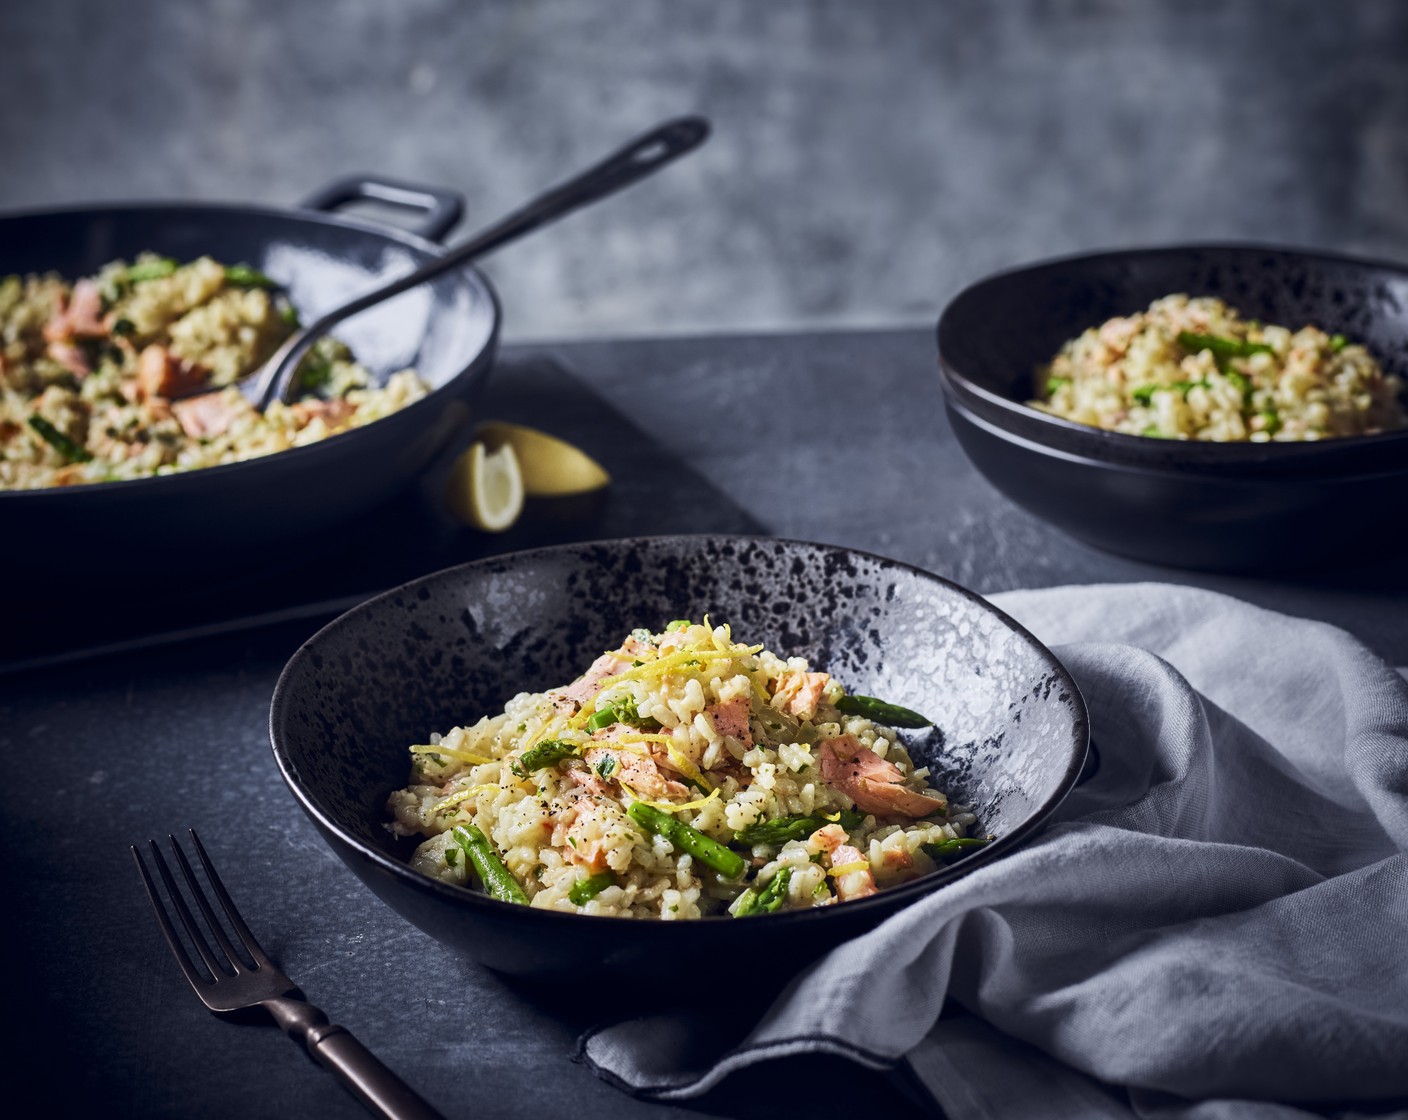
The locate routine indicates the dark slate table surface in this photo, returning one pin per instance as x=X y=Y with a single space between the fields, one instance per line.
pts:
x=118 y=727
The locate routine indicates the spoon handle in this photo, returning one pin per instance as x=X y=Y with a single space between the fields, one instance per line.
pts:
x=641 y=157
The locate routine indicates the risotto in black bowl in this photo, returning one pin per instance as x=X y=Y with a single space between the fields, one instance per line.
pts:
x=1233 y=407
x=648 y=749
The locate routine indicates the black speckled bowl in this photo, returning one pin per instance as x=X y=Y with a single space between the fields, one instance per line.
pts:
x=458 y=644
x=1230 y=506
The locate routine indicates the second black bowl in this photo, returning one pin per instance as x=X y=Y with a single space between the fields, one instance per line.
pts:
x=1228 y=506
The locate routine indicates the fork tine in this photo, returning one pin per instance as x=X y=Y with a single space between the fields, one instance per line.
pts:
x=217 y=967
x=260 y=958
x=236 y=964
x=193 y=975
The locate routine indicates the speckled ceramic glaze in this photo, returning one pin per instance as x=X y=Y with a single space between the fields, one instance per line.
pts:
x=1242 y=506
x=1010 y=735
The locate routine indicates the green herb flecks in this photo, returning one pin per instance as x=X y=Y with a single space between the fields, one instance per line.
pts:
x=497 y=879
x=1144 y=394
x=1056 y=383
x=881 y=711
x=705 y=849
x=678 y=624
x=607 y=766
x=1337 y=343
x=59 y=442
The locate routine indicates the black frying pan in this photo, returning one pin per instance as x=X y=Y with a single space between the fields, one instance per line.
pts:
x=222 y=516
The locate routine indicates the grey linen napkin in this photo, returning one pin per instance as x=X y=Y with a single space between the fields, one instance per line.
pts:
x=1215 y=924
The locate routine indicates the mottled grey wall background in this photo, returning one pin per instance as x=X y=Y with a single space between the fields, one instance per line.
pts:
x=868 y=160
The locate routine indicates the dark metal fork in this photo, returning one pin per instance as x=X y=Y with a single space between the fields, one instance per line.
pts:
x=229 y=984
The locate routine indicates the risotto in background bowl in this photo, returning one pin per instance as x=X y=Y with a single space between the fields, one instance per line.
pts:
x=527 y=760
x=1232 y=407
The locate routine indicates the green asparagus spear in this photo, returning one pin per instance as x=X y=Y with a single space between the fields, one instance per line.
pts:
x=584 y=890
x=891 y=715
x=768 y=900
x=242 y=276
x=58 y=441
x=623 y=711
x=1241 y=381
x=498 y=880
x=1222 y=348
x=951 y=849
x=151 y=270
x=706 y=850
x=777 y=832
x=547 y=753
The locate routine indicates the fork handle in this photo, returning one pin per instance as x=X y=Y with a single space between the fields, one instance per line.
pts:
x=365 y=1076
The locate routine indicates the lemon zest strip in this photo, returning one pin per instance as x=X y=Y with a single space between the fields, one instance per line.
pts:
x=673 y=806
x=463 y=756
x=461 y=795
x=850 y=868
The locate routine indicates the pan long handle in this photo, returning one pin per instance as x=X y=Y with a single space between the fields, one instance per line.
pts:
x=441 y=208
x=641 y=157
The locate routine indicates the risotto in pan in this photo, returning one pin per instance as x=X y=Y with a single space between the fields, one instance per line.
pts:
x=99 y=378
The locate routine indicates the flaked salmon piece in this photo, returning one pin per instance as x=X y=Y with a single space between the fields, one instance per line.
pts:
x=857 y=882
x=589 y=780
x=638 y=771
x=161 y=374
x=331 y=412
x=579 y=832
x=205 y=416
x=589 y=683
x=635 y=647
x=70 y=357
x=828 y=837
x=799 y=693
x=80 y=317
x=871 y=782
x=730 y=717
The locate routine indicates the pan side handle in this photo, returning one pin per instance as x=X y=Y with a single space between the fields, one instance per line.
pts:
x=441 y=208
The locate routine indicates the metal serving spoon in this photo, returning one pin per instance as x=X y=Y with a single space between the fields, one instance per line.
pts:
x=641 y=157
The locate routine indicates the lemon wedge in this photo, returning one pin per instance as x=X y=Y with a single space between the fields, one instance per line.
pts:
x=551 y=467
x=485 y=488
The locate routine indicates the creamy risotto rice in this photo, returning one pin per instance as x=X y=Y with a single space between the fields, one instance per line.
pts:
x=682 y=775
x=93 y=374
x=1195 y=369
